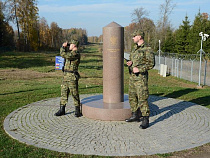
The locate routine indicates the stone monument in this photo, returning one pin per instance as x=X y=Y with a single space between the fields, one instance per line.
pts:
x=113 y=56
x=113 y=105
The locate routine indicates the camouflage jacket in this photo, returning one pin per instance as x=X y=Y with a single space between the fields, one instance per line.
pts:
x=142 y=57
x=72 y=59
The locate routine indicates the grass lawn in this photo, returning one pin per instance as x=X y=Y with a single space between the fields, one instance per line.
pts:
x=30 y=77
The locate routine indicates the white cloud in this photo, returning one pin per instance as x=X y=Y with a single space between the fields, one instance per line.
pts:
x=84 y=8
x=102 y=7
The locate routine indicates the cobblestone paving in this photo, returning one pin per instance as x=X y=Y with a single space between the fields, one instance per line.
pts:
x=174 y=125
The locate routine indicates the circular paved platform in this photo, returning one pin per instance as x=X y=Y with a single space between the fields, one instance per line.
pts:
x=174 y=125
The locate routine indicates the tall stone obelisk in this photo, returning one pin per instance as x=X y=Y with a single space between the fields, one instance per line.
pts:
x=113 y=105
x=113 y=70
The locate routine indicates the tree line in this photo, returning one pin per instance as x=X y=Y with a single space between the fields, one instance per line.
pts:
x=184 y=40
x=33 y=33
x=6 y=31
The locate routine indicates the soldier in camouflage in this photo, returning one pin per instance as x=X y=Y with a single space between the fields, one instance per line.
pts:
x=70 y=77
x=141 y=60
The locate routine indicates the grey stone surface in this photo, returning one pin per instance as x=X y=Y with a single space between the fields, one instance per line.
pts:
x=174 y=125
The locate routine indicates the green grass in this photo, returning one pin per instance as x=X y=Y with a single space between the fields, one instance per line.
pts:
x=30 y=77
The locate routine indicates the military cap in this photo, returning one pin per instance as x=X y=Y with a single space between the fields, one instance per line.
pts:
x=73 y=41
x=138 y=32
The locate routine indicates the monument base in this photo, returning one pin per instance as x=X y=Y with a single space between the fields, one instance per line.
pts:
x=94 y=108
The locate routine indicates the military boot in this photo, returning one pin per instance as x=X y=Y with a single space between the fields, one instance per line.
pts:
x=145 y=122
x=77 y=111
x=134 y=117
x=61 y=111
x=140 y=114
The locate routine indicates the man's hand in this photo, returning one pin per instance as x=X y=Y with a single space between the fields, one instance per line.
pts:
x=135 y=70
x=129 y=63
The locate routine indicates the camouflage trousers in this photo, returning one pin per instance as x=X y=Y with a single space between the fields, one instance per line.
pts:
x=138 y=93
x=69 y=85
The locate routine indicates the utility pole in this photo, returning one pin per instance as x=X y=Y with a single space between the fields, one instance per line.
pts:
x=159 y=56
x=203 y=38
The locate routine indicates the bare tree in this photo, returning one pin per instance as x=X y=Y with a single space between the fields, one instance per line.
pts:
x=12 y=6
x=141 y=20
x=138 y=15
x=165 y=10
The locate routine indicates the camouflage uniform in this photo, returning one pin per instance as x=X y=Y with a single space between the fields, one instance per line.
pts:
x=70 y=77
x=142 y=58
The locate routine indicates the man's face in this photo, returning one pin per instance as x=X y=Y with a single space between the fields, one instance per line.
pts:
x=71 y=46
x=136 y=39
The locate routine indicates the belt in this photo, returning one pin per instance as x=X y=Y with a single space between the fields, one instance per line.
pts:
x=70 y=71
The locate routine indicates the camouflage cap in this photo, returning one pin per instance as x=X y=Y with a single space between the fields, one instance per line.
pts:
x=73 y=41
x=138 y=32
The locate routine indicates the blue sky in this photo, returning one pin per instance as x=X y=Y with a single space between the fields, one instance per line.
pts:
x=93 y=15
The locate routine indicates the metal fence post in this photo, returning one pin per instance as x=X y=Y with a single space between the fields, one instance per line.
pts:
x=159 y=56
x=199 y=75
x=191 y=70
x=165 y=58
x=175 y=71
x=181 y=70
x=172 y=66
x=204 y=82
x=177 y=68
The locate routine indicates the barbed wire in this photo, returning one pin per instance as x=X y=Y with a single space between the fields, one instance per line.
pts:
x=196 y=57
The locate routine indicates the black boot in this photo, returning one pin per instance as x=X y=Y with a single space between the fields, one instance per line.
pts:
x=61 y=111
x=145 y=122
x=77 y=111
x=134 y=117
x=140 y=114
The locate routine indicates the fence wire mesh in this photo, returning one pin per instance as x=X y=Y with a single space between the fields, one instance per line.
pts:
x=186 y=66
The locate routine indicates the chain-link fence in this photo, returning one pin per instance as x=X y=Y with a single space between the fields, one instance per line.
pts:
x=186 y=66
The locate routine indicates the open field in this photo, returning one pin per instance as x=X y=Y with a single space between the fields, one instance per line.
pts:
x=30 y=77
